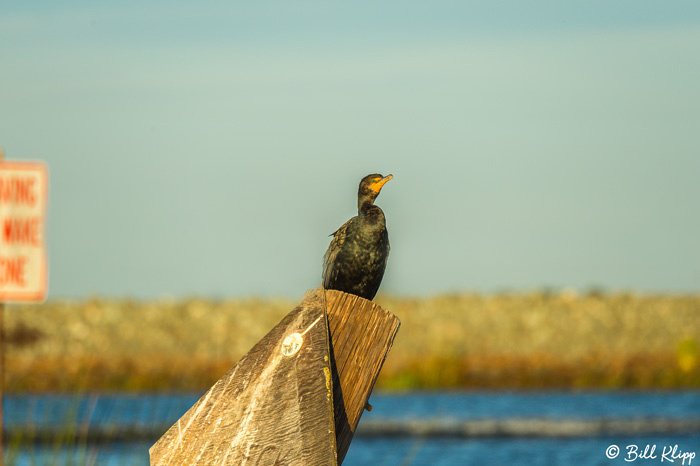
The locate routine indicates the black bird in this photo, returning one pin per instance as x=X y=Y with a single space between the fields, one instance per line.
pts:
x=356 y=258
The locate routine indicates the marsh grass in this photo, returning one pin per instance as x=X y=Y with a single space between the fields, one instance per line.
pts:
x=528 y=340
x=69 y=445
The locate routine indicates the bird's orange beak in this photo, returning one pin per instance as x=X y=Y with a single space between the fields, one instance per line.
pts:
x=377 y=186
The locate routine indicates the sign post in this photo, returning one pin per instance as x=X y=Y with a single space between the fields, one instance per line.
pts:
x=23 y=264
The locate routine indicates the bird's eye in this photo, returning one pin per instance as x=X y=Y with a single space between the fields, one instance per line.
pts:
x=375 y=180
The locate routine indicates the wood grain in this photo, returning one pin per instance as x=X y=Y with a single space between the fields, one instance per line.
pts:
x=273 y=407
x=362 y=334
x=296 y=397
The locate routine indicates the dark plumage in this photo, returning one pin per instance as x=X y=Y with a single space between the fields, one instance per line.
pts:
x=356 y=258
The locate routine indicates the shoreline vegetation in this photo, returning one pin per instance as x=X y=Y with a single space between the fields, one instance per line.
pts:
x=452 y=341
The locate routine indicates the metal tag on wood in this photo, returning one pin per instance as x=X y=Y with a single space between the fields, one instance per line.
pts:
x=273 y=407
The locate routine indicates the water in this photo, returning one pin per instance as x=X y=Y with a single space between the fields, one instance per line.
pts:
x=156 y=411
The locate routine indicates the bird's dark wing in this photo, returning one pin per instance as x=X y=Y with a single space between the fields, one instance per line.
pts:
x=388 y=248
x=330 y=265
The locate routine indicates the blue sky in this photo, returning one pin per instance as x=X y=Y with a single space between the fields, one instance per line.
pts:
x=210 y=148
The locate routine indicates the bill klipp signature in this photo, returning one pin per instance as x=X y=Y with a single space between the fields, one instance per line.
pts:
x=667 y=453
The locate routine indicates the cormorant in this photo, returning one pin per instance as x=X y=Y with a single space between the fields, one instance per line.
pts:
x=356 y=258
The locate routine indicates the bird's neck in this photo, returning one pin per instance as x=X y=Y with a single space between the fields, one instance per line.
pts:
x=370 y=213
x=365 y=200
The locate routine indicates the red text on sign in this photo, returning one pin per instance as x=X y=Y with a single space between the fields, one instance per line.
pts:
x=12 y=270
x=18 y=230
x=17 y=190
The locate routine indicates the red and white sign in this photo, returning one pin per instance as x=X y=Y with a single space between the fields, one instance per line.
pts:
x=23 y=198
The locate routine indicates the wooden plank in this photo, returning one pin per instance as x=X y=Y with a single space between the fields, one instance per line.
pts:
x=273 y=407
x=362 y=333
x=297 y=396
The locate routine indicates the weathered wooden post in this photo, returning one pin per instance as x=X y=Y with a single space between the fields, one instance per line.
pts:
x=296 y=397
x=361 y=336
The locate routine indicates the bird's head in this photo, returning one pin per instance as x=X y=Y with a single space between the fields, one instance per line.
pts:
x=370 y=186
